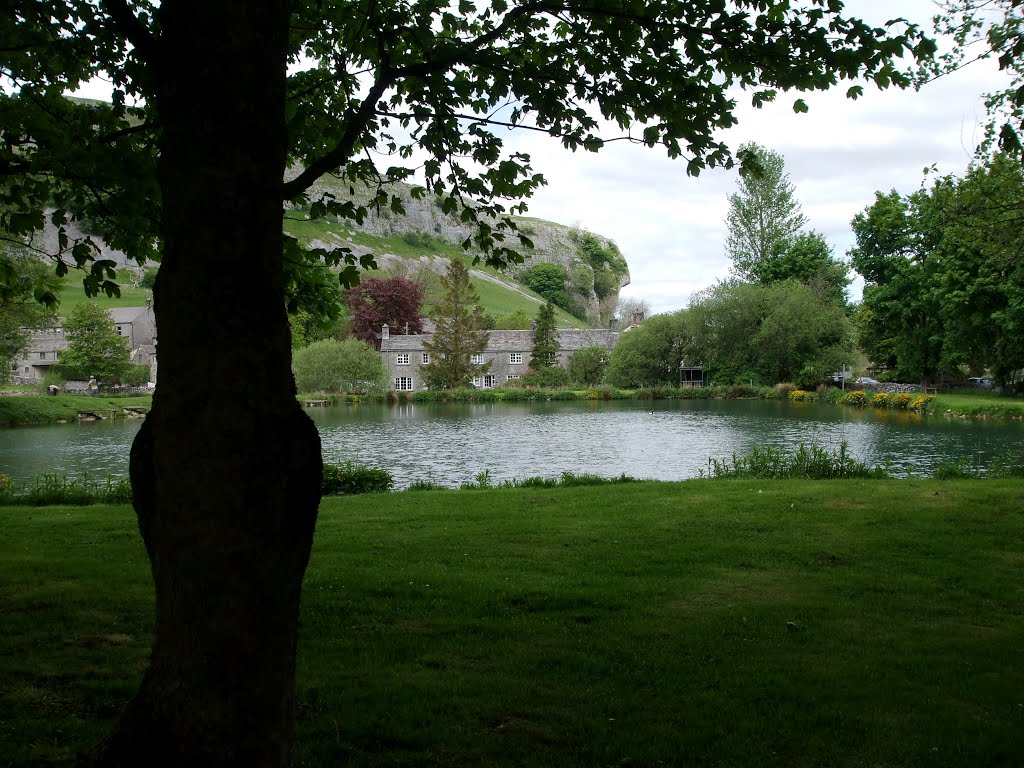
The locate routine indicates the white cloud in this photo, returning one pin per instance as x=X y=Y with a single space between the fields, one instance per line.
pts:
x=671 y=227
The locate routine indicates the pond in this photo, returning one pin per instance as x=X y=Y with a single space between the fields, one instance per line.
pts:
x=665 y=440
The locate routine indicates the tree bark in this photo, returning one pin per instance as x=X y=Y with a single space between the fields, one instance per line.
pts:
x=226 y=469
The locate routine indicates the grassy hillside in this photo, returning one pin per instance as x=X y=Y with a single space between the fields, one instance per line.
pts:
x=704 y=623
x=73 y=293
x=495 y=299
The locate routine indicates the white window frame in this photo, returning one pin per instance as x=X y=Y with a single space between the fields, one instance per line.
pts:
x=489 y=380
x=476 y=359
x=478 y=382
x=512 y=377
x=426 y=358
x=403 y=384
x=402 y=358
x=515 y=358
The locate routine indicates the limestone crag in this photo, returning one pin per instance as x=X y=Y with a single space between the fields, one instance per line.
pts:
x=552 y=243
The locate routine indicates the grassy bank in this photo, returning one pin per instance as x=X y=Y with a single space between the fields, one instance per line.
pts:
x=43 y=409
x=792 y=623
x=977 y=405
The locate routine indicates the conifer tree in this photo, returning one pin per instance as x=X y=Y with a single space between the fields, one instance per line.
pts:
x=545 y=339
x=459 y=332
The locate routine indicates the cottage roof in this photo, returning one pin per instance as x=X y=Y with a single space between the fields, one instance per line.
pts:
x=569 y=340
x=125 y=314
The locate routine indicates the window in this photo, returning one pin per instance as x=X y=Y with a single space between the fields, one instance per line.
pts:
x=402 y=359
x=512 y=377
x=476 y=359
x=516 y=358
x=489 y=381
x=119 y=329
x=477 y=381
x=42 y=355
x=403 y=383
x=426 y=358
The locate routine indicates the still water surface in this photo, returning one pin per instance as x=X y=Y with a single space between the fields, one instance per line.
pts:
x=665 y=440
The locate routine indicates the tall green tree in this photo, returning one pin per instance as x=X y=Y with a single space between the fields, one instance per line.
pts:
x=944 y=281
x=208 y=138
x=764 y=217
x=544 y=353
x=95 y=348
x=459 y=332
x=648 y=355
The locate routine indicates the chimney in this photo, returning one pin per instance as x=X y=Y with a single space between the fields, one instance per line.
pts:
x=613 y=324
x=385 y=332
x=638 y=317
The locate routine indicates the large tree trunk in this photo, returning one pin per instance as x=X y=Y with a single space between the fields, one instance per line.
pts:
x=226 y=469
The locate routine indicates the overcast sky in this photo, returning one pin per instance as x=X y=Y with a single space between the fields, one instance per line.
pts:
x=670 y=227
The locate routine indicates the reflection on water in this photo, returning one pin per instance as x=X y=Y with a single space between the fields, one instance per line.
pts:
x=667 y=440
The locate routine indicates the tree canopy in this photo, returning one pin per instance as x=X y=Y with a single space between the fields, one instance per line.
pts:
x=764 y=217
x=95 y=348
x=765 y=241
x=395 y=301
x=944 y=275
x=331 y=365
x=224 y=114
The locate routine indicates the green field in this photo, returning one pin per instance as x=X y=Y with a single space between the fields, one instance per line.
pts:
x=42 y=409
x=704 y=623
x=969 y=403
x=73 y=293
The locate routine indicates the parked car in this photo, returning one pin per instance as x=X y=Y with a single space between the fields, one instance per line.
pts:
x=983 y=382
x=864 y=381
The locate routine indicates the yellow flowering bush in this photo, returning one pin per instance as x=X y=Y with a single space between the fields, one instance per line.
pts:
x=880 y=400
x=899 y=400
x=921 y=402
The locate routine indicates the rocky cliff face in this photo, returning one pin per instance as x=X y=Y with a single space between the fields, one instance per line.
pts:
x=593 y=280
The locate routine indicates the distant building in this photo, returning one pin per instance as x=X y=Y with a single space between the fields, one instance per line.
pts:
x=136 y=324
x=508 y=352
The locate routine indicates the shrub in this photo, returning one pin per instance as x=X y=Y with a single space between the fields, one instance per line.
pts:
x=880 y=400
x=814 y=463
x=920 y=403
x=857 y=398
x=348 y=478
x=803 y=396
x=958 y=469
x=336 y=366
x=899 y=400
x=425 y=485
x=546 y=377
x=830 y=395
x=54 y=488
x=1007 y=465
x=135 y=376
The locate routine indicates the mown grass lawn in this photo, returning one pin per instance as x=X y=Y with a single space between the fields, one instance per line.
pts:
x=724 y=623
x=978 y=404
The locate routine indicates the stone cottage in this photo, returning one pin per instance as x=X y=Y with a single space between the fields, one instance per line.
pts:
x=508 y=352
x=135 y=324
